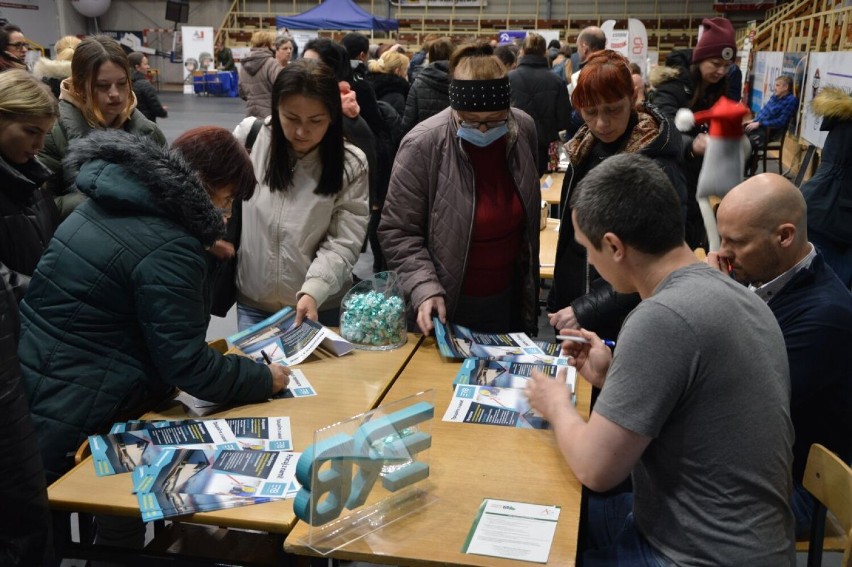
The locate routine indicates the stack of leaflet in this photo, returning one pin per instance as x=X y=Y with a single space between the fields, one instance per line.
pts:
x=278 y=339
x=489 y=387
x=171 y=461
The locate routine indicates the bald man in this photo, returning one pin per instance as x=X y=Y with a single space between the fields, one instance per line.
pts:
x=763 y=228
x=591 y=39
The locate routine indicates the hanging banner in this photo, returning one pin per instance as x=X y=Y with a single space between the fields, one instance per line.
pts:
x=632 y=42
x=197 y=54
x=638 y=44
x=507 y=37
x=824 y=69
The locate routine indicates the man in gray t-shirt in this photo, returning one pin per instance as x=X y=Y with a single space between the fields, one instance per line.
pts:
x=695 y=401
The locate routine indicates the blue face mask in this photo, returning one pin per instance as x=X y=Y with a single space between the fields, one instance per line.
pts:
x=482 y=139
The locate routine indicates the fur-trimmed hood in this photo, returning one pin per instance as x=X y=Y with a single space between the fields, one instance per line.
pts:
x=127 y=172
x=833 y=102
x=51 y=69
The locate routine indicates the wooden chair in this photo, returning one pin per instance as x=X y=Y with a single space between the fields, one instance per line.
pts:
x=829 y=480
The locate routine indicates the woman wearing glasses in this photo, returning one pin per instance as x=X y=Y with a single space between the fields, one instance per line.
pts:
x=116 y=313
x=695 y=80
x=13 y=48
x=461 y=220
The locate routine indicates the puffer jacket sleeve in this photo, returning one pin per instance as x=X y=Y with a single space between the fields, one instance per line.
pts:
x=339 y=251
x=603 y=310
x=409 y=119
x=404 y=226
x=169 y=297
x=145 y=90
x=25 y=518
x=669 y=97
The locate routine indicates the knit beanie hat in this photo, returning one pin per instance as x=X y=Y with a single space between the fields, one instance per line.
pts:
x=717 y=40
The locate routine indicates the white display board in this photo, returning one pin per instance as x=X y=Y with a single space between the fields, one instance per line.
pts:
x=197 y=53
x=824 y=69
x=632 y=42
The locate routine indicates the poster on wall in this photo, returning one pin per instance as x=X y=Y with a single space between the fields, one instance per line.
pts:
x=767 y=67
x=197 y=53
x=824 y=69
x=507 y=37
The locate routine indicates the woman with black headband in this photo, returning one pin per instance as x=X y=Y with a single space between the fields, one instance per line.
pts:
x=460 y=223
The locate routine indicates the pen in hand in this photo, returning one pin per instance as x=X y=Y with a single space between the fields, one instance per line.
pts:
x=608 y=342
x=265 y=356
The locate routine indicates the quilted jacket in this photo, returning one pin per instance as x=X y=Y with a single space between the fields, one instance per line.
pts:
x=70 y=126
x=27 y=216
x=116 y=313
x=429 y=94
x=258 y=72
x=25 y=518
x=426 y=223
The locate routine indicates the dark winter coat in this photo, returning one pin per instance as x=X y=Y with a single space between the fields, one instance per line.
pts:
x=390 y=88
x=673 y=89
x=425 y=231
x=829 y=192
x=429 y=94
x=540 y=93
x=28 y=216
x=651 y=135
x=147 y=101
x=117 y=312
x=26 y=516
x=814 y=311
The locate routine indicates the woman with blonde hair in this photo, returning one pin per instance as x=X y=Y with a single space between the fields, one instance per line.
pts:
x=257 y=74
x=28 y=215
x=461 y=219
x=54 y=71
x=97 y=96
x=389 y=77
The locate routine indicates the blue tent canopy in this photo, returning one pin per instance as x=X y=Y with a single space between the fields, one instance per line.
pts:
x=336 y=15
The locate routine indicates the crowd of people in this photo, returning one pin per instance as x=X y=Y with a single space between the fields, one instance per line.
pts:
x=115 y=247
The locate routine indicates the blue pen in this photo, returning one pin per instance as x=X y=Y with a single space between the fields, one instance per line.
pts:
x=608 y=342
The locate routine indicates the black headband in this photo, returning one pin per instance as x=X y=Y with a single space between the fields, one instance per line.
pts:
x=480 y=96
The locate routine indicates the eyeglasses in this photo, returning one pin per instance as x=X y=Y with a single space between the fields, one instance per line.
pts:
x=488 y=125
x=19 y=45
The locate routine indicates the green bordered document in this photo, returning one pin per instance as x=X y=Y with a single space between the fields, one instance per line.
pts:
x=513 y=530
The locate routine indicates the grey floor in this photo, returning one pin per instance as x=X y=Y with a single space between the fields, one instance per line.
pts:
x=189 y=111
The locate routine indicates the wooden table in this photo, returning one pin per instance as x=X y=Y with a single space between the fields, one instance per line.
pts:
x=553 y=193
x=547 y=249
x=346 y=386
x=468 y=463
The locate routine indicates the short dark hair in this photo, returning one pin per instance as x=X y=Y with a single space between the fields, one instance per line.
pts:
x=218 y=159
x=135 y=59
x=596 y=40
x=440 y=49
x=332 y=54
x=506 y=54
x=355 y=44
x=314 y=80
x=629 y=195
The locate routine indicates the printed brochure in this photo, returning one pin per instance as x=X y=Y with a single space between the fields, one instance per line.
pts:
x=508 y=374
x=282 y=342
x=458 y=342
x=493 y=406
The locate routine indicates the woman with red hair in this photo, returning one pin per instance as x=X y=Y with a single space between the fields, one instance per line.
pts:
x=614 y=123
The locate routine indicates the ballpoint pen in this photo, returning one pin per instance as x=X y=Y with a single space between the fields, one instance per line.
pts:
x=265 y=356
x=608 y=342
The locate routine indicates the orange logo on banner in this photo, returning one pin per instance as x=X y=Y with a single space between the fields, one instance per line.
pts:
x=637 y=46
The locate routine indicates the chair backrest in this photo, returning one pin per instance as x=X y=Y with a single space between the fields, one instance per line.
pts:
x=829 y=480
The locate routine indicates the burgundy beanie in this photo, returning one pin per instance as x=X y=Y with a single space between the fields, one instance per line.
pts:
x=717 y=40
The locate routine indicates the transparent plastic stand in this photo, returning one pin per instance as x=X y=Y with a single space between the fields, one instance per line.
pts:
x=366 y=472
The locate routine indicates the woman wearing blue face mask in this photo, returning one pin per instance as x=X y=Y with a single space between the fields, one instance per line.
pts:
x=461 y=219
